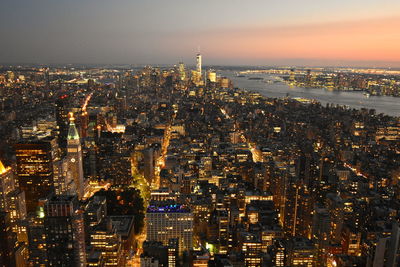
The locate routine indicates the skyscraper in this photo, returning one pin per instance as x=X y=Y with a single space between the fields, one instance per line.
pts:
x=74 y=155
x=211 y=76
x=7 y=241
x=182 y=72
x=61 y=117
x=36 y=240
x=35 y=160
x=6 y=184
x=104 y=238
x=167 y=221
x=198 y=64
x=64 y=230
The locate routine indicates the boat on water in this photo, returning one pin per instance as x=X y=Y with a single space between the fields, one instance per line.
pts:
x=256 y=78
x=367 y=95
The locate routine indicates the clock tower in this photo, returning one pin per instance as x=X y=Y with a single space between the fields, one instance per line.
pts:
x=74 y=156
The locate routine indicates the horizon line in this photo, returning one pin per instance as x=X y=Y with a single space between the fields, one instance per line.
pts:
x=17 y=64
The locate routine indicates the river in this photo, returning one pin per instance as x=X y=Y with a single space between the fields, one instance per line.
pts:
x=277 y=89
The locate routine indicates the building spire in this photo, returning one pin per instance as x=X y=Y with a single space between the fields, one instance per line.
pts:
x=72 y=131
x=2 y=168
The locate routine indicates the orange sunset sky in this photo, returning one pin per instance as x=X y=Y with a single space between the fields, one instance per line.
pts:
x=252 y=32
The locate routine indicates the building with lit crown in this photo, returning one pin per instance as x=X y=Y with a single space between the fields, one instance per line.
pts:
x=74 y=155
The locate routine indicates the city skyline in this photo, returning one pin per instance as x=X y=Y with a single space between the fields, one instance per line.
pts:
x=200 y=133
x=337 y=33
x=177 y=166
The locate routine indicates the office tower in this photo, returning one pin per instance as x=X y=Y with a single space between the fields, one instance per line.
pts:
x=35 y=160
x=64 y=230
x=336 y=211
x=219 y=221
x=212 y=76
x=74 y=155
x=7 y=241
x=393 y=250
x=173 y=252
x=252 y=249
x=225 y=82
x=200 y=258
x=197 y=73
x=36 y=240
x=10 y=76
x=84 y=124
x=154 y=251
x=182 y=71
x=351 y=239
x=287 y=196
x=21 y=255
x=90 y=160
x=198 y=65
x=321 y=231
x=166 y=221
x=7 y=185
x=305 y=207
x=301 y=252
x=295 y=203
x=278 y=252
x=104 y=239
x=113 y=159
x=12 y=253
x=62 y=118
x=385 y=252
x=63 y=180
x=260 y=180
x=47 y=78
x=17 y=209
x=95 y=259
